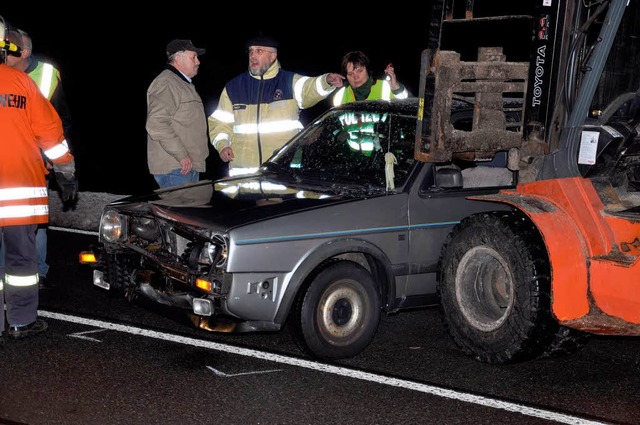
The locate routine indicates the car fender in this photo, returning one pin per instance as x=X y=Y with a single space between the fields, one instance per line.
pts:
x=331 y=249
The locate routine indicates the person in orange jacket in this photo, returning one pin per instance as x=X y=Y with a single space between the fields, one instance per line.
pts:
x=29 y=124
x=49 y=80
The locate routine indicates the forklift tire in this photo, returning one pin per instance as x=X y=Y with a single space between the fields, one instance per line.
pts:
x=338 y=314
x=494 y=288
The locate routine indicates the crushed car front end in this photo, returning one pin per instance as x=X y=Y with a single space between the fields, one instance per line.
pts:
x=144 y=251
x=222 y=251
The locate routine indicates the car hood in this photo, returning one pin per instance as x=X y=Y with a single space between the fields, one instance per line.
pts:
x=230 y=202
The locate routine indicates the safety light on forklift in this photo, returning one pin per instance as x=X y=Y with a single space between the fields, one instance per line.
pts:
x=87 y=257
x=204 y=285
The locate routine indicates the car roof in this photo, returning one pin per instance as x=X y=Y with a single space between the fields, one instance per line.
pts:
x=404 y=106
x=407 y=106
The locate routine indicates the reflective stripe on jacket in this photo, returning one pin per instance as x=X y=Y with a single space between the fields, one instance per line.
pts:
x=46 y=77
x=257 y=115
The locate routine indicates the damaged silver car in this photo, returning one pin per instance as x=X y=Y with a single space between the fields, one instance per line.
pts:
x=338 y=227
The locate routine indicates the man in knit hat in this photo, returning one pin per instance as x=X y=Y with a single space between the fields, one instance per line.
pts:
x=259 y=110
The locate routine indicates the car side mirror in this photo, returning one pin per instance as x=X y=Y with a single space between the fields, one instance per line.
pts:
x=449 y=178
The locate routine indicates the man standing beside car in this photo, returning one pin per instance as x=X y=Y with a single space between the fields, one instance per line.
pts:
x=259 y=110
x=177 y=143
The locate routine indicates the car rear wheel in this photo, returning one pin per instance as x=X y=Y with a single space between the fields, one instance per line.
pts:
x=338 y=314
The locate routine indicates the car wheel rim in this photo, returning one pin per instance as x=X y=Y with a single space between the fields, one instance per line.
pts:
x=341 y=311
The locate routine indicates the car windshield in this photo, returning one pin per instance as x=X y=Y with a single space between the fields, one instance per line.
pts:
x=350 y=147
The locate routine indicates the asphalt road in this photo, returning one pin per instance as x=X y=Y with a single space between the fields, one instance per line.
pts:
x=107 y=361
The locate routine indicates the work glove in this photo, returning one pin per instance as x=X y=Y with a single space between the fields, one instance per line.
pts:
x=68 y=184
x=66 y=179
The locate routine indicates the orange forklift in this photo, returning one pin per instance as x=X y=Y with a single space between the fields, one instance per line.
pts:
x=564 y=263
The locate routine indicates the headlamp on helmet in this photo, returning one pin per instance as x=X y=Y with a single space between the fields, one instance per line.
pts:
x=5 y=45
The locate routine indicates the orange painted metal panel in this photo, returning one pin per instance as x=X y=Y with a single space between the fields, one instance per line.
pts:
x=594 y=256
x=616 y=289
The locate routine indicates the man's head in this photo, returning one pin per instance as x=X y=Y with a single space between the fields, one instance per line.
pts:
x=355 y=66
x=183 y=55
x=19 y=60
x=263 y=52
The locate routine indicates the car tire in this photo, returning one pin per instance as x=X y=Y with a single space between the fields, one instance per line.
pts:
x=494 y=289
x=338 y=314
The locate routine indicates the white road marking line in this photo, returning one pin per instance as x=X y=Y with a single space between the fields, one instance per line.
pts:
x=231 y=375
x=70 y=230
x=336 y=370
x=80 y=335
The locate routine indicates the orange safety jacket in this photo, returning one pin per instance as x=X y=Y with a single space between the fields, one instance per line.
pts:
x=28 y=124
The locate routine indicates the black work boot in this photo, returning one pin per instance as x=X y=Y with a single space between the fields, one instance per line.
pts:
x=18 y=332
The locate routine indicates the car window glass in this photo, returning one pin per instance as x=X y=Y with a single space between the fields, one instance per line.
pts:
x=350 y=147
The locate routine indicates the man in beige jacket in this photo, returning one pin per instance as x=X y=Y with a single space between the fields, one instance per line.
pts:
x=177 y=142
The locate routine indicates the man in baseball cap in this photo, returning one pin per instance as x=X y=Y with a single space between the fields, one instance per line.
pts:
x=177 y=142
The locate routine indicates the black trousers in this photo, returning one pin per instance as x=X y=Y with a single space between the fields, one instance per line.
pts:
x=19 y=279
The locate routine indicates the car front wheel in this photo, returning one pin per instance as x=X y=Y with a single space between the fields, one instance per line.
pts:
x=338 y=314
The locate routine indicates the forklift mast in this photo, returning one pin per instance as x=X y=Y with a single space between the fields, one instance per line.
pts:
x=554 y=64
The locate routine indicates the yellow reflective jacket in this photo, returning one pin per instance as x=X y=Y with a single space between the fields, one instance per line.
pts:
x=257 y=115
x=381 y=89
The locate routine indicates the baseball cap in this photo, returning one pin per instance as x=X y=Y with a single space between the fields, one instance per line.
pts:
x=176 y=46
x=262 y=40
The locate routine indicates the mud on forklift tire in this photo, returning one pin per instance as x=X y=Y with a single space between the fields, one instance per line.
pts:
x=494 y=290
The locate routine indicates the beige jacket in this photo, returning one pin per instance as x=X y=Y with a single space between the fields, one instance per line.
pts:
x=176 y=124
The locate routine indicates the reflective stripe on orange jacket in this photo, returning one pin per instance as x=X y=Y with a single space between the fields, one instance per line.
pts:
x=28 y=124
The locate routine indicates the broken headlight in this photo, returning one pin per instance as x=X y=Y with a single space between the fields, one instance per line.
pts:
x=112 y=226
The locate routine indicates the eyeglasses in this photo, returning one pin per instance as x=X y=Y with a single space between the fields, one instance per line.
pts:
x=258 y=51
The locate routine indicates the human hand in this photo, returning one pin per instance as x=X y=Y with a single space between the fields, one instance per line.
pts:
x=335 y=80
x=186 y=164
x=68 y=184
x=226 y=154
x=389 y=70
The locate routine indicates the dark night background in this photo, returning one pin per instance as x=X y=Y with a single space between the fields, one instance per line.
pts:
x=109 y=54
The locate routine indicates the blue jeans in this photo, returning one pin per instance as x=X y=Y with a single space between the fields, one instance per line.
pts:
x=41 y=246
x=175 y=178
